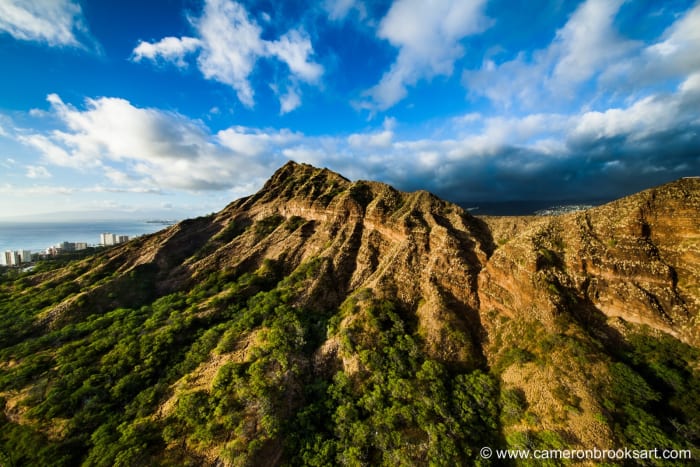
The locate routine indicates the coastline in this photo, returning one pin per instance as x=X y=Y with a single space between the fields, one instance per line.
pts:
x=37 y=236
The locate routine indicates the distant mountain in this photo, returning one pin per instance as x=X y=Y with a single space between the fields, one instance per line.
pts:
x=326 y=322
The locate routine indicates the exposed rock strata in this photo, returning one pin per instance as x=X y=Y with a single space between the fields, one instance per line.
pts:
x=474 y=288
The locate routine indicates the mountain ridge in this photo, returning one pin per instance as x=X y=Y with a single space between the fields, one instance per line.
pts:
x=295 y=321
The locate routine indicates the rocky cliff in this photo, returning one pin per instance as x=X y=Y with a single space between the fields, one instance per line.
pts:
x=319 y=311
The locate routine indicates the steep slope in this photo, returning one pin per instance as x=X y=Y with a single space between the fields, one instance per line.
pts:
x=558 y=287
x=636 y=258
x=323 y=321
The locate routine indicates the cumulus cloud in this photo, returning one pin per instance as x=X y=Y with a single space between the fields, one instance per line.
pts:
x=289 y=100
x=169 y=49
x=580 y=50
x=229 y=44
x=294 y=48
x=557 y=156
x=54 y=22
x=53 y=153
x=150 y=147
x=674 y=55
x=37 y=171
x=381 y=139
x=428 y=36
x=587 y=43
x=255 y=144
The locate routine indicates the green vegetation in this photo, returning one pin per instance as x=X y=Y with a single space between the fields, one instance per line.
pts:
x=400 y=408
x=231 y=231
x=234 y=367
x=362 y=193
x=294 y=223
x=266 y=226
x=654 y=399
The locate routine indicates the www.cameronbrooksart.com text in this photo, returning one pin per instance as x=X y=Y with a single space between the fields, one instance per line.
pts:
x=587 y=454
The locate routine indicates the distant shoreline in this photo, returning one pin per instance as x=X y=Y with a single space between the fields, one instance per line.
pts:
x=38 y=236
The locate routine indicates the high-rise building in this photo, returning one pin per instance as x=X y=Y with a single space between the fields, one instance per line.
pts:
x=66 y=246
x=26 y=256
x=107 y=239
x=12 y=258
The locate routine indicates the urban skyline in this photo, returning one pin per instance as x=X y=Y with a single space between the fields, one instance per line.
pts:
x=18 y=257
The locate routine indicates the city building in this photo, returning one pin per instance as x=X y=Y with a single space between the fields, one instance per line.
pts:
x=15 y=258
x=70 y=246
x=66 y=246
x=108 y=239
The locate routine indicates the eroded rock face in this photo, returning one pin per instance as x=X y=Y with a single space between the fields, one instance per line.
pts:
x=410 y=247
x=542 y=303
x=636 y=258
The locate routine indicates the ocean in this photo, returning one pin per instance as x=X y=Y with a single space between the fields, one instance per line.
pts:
x=37 y=236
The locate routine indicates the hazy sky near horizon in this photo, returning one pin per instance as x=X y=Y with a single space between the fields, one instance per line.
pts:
x=176 y=107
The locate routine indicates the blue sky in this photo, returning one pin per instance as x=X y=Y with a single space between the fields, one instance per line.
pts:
x=174 y=108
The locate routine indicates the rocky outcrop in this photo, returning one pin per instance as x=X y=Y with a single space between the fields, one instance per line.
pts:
x=636 y=259
x=385 y=298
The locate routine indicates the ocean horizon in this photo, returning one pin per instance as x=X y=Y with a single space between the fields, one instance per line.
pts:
x=37 y=236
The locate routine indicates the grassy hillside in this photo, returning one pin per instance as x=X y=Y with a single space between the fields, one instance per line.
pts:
x=325 y=322
x=233 y=369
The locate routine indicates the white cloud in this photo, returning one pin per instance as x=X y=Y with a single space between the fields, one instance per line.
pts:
x=314 y=156
x=381 y=139
x=230 y=44
x=428 y=36
x=679 y=49
x=580 y=50
x=54 y=22
x=53 y=153
x=289 y=101
x=692 y=84
x=674 y=55
x=646 y=117
x=141 y=147
x=339 y=9
x=38 y=190
x=587 y=43
x=487 y=155
x=37 y=171
x=113 y=128
x=294 y=49
x=253 y=143
x=169 y=49
x=151 y=149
